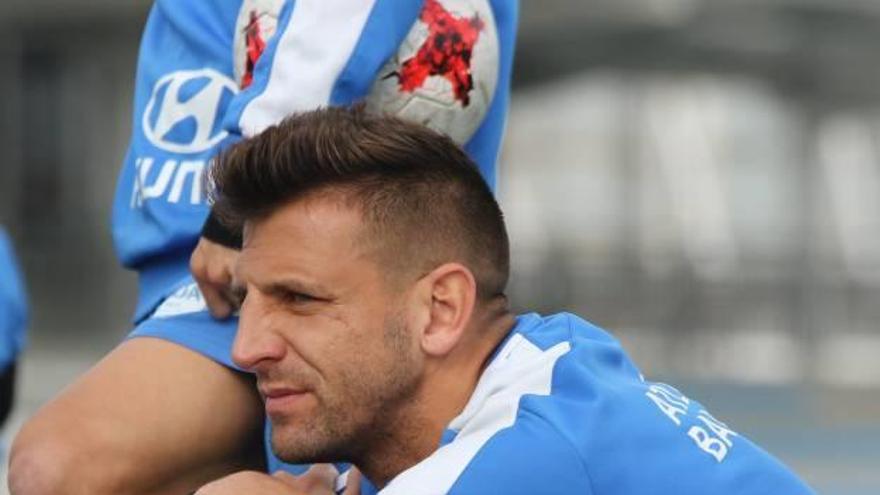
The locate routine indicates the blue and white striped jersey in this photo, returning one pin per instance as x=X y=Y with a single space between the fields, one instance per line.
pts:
x=562 y=409
x=13 y=305
x=211 y=71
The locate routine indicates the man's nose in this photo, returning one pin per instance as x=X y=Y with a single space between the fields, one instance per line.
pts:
x=256 y=340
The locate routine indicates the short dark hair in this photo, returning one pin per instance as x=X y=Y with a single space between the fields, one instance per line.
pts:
x=422 y=198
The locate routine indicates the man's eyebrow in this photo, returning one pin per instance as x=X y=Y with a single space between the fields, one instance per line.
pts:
x=294 y=285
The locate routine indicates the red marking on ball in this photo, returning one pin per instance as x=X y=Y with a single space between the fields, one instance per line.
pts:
x=446 y=52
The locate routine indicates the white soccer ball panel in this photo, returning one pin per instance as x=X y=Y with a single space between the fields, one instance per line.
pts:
x=434 y=101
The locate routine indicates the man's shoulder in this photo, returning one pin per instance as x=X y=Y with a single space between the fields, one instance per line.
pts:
x=598 y=425
x=548 y=331
x=649 y=439
x=590 y=360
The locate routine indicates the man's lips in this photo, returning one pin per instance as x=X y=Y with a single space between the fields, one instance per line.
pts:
x=281 y=400
x=279 y=391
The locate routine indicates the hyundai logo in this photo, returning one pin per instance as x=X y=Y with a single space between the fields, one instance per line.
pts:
x=183 y=114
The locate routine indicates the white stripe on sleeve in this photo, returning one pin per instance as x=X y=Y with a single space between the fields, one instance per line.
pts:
x=312 y=52
x=520 y=368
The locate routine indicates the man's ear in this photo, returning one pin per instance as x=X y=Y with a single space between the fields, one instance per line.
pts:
x=447 y=296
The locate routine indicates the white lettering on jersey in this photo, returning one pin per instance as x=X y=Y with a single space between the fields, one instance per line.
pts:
x=670 y=408
x=715 y=442
x=192 y=169
x=720 y=429
x=143 y=190
x=185 y=300
x=709 y=444
x=182 y=95
x=183 y=172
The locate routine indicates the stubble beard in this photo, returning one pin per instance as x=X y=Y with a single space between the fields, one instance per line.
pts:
x=350 y=421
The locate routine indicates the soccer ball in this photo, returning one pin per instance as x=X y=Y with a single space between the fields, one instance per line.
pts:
x=445 y=72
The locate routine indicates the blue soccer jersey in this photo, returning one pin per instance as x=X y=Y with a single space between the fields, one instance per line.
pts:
x=562 y=409
x=13 y=305
x=210 y=72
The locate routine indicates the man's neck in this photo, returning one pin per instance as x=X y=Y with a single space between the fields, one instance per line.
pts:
x=417 y=428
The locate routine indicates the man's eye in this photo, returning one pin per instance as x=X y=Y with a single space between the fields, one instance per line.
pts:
x=297 y=297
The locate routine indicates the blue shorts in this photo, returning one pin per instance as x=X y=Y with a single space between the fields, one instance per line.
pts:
x=183 y=318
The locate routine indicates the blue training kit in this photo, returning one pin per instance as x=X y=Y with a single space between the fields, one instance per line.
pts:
x=562 y=409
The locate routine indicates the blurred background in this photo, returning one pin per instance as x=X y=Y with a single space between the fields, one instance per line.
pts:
x=700 y=177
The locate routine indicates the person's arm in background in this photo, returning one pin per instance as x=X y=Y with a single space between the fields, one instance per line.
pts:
x=13 y=323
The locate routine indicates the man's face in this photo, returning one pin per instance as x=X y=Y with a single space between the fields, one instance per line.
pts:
x=322 y=331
